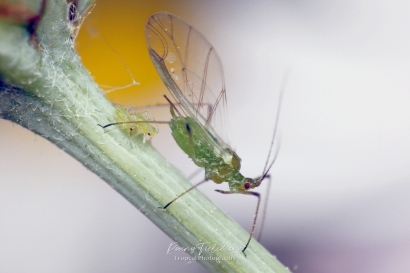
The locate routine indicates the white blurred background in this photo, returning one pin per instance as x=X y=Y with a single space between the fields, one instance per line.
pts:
x=340 y=196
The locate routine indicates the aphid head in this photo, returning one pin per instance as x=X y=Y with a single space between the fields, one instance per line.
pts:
x=249 y=183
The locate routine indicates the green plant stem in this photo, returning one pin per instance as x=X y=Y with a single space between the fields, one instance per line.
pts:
x=50 y=93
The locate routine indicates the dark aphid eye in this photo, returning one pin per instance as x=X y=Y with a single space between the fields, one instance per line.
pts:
x=247 y=185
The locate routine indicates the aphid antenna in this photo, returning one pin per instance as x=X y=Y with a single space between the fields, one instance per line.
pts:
x=275 y=128
x=268 y=167
x=266 y=171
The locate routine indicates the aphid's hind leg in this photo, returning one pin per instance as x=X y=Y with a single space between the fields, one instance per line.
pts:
x=254 y=218
x=188 y=190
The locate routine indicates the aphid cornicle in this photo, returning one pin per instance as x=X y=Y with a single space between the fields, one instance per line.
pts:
x=192 y=71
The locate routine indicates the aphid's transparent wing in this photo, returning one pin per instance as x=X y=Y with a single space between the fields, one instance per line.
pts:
x=191 y=69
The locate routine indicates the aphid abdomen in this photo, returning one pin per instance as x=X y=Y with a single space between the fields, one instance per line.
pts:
x=201 y=150
x=191 y=143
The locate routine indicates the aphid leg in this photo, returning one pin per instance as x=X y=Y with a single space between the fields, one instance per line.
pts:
x=265 y=207
x=172 y=105
x=282 y=91
x=256 y=213
x=135 y=121
x=188 y=190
